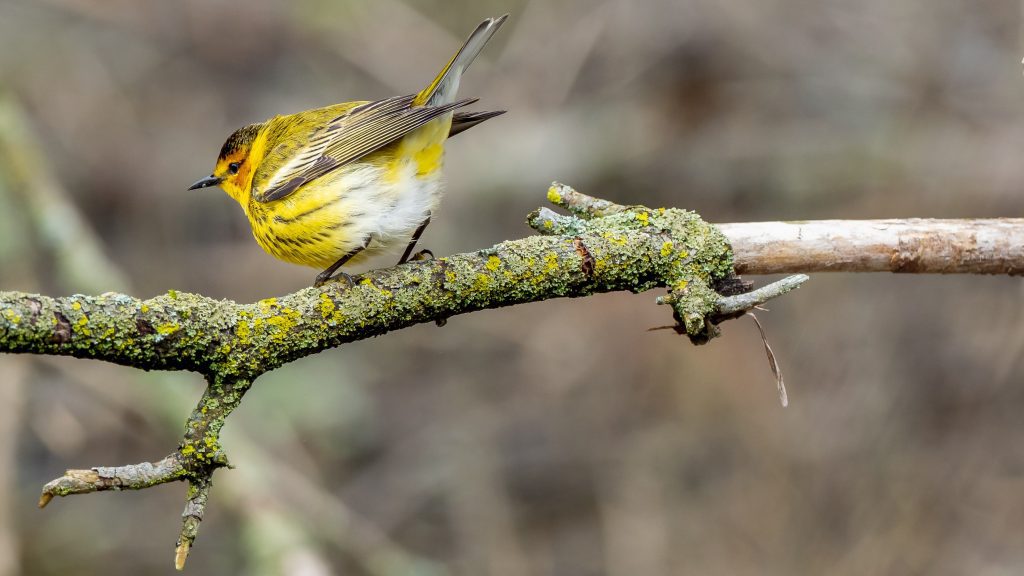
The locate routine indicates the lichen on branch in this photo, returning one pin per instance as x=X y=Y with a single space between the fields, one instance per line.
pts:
x=601 y=247
x=635 y=249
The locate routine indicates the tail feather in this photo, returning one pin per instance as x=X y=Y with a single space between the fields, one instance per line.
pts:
x=443 y=89
x=462 y=121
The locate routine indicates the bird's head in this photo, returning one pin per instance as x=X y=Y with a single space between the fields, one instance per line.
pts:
x=233 y=171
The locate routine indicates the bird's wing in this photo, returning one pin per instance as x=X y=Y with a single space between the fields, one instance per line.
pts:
x=348 y=137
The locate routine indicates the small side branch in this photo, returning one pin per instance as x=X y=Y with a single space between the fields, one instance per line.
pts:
x=199 y=454
x=100 y=478
x=195 y=507
x=730 y=305
x=580 y=204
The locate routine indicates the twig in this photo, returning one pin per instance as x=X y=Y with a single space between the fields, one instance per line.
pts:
x=580 y=204
x=101 y=478
x=195 y=507
x=728 y=305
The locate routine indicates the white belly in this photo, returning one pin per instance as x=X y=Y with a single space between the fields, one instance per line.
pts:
x=393 y=210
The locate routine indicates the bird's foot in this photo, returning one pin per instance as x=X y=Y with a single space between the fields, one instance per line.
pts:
x=422 y=255
x=325 y=277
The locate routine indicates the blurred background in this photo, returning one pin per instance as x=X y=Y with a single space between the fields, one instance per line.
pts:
x=559 y=438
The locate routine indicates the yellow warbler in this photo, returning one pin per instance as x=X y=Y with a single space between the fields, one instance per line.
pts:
x=328 y=186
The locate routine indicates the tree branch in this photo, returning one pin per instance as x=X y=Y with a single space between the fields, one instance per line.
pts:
x=916 y=245
x=614 y=248
x=601 y=247
x=634 y=250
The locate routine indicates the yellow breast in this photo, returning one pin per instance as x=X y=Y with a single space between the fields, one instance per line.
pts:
x=380 y=198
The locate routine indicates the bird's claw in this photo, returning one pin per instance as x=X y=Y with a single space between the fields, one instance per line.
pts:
x=422 y=255
x=343 y=277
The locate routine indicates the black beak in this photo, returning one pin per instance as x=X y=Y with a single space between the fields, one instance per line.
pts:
x=205 y=182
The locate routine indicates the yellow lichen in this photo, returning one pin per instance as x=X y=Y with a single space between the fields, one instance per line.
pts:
x=329 y=310
x=167 y=329
x=550 y=262
x=493 y=263
x=243 y=331
x=614 y=238
x=282 y=323
x=643 y=218
x=482 y=282
x=554 y=196
x=76 y=305
x=666 y=248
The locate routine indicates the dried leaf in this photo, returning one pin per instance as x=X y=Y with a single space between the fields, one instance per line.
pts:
x=783 y=397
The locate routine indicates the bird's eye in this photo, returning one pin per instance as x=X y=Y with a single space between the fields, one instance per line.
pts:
x=233 y=168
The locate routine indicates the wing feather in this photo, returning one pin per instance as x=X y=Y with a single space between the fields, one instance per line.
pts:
x=363 y=129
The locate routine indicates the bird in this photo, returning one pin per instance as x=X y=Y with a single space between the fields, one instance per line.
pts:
x=335 y=185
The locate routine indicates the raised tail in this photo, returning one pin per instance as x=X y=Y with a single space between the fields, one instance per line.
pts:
x=442 y=90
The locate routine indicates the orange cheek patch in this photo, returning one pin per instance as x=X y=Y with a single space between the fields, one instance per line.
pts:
x=244 y=173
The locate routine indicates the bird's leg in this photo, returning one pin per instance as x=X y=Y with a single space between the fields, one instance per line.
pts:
x=325 y=276
x=412 y=243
